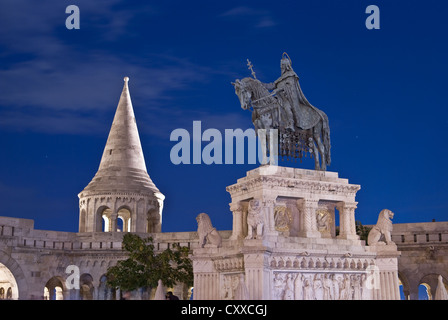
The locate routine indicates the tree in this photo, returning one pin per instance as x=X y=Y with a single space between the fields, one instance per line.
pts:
x=144 y=267
x=362 y=231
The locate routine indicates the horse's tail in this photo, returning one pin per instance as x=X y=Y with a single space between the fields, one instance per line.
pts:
x=326 y=138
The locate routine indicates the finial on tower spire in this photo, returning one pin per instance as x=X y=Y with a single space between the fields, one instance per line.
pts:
x=126 y=79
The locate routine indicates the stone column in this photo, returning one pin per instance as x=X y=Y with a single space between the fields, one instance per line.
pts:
x=387 y=268
x=308 y=224
x=347 y=227
x=237 y=229
x=113 y=222
x=413 y=288
x=257 y=274
x=268 y=204
x=206 y=279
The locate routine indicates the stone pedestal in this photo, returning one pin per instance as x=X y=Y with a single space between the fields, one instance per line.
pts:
x=385 y=277
x=291 y=199
x=285 y=245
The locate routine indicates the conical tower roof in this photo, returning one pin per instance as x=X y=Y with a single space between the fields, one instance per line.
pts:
x=122 y=167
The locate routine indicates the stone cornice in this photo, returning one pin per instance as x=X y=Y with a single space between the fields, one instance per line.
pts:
x=288 y=184
x=119 y=194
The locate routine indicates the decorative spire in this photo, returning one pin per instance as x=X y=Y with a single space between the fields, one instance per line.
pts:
x=121 y=190
x=122 y=165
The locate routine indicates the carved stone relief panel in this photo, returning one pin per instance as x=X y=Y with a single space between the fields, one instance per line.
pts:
x=320 y=286
x=325 y=219
x=286 y=216
x=282 y=218
x=229 y=283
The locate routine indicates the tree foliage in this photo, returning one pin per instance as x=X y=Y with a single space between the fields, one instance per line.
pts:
x=362 y=231
x=144 y=267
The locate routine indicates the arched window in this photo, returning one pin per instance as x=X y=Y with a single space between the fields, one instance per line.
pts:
x=120 y=224
x=124 y=220
x=9 y=293
x=54 y=289
x=58 y=293
x=86 y=288
x=9 y=284
x=106 y=223
x=424 y=292
x=103 y=289
x=46 y=294
x=104 y=220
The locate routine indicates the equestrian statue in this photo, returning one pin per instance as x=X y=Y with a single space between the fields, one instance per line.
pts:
x=302 y=128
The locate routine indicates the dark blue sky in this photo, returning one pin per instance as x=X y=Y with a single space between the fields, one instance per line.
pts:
x=383 y=91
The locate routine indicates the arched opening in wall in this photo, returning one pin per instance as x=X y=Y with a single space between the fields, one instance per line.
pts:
x=105 y=222
x=124 y=219
x=424 y=292
x=103 y=289
x=402 y=294
x=59 y=293
x=120 y=224
x=8 y=285
x=54 y=289
x=86 y=287
x=337 y=223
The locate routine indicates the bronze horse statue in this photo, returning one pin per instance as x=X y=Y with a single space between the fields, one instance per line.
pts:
x=285 y=108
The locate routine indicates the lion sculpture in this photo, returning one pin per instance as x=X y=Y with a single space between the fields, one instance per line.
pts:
x=383 y=228
x=255 y=220
x=207 y=234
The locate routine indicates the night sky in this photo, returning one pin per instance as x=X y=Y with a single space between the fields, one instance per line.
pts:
x=384 y=92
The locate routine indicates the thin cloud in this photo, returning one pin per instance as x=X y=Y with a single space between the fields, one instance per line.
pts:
x=53 y=86
x=259 y=17
x=66 y=101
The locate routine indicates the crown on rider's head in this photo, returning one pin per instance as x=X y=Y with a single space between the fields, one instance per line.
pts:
x=286 y=57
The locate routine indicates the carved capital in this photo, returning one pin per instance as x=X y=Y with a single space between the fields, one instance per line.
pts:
x=236 y=207
x=308 y=203
x=344 y=205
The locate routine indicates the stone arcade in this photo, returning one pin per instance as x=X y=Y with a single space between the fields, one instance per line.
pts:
x=283 y=244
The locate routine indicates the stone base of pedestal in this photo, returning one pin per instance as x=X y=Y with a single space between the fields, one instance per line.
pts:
x=287 y=268
x=385 y=272
x=294 y=237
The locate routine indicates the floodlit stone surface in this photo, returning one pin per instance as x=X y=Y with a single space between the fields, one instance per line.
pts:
x=285 y=246
x=293 y=251
x=121 y=189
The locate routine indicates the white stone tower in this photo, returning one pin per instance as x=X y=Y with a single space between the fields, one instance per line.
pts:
x=121 y=195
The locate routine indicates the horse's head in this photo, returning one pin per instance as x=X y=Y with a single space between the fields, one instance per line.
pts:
x=243 y=93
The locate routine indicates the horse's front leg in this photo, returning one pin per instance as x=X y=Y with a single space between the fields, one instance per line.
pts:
x=316 y=156
x=320 y=146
